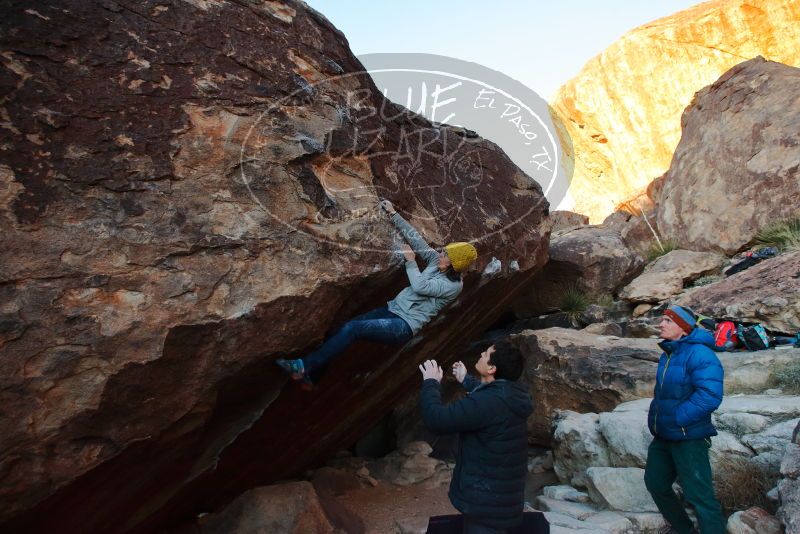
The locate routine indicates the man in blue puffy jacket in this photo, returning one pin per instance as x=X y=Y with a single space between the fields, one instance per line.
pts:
x=688 y=389
x=488 y=483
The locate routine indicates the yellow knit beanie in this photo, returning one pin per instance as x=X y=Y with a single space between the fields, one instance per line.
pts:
x=461 y=255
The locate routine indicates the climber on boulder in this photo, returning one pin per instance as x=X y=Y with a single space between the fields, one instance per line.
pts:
x=430 y=290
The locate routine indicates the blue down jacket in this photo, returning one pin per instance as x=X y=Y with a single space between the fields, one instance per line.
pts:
x=688 y=388
x=488 y=481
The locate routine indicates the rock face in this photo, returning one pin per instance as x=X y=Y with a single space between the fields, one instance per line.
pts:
x=767 y=293
x=592 y=259
x=737 y=167
x=411 y=465
x=635 y=227
x=789 y=486
x=620 y=488
x=606 y=453
x=578 y=445
x=189 y=192
x=753 y=521
x=667 y=275
x=623 y=111
x=567 y=220
x=574 y=370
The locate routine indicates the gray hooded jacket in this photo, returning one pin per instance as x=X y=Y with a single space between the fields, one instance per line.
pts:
x=430 y=290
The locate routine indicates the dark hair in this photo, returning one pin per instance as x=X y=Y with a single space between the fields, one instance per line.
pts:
x=507 y=360
x=452 y=274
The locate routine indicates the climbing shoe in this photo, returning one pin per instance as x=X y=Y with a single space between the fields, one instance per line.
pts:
x=305 y=383
x=293 y=367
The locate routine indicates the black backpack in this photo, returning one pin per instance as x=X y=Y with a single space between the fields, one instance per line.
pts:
x=753 y=337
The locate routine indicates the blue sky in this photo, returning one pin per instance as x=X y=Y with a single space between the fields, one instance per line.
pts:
x=541 y=44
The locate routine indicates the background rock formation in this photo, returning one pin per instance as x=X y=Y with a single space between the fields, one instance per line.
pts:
x=623 y=110
x=594 y=260
x=768 y=293
x=572 y=370
x=737 y=167
x=189 y=192
x=578 y=371
x=667 y=275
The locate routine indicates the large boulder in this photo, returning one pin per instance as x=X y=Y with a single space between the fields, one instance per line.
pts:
x=737 y=167
x=753 y=521
x=627 y=436
x=768 y=293
x=189 y=193
x=751 y=372
x=290 y=508
x=574 y=370
x=668 y=275
x=635 y=226
x=578 y=445
x=591 y=259
x=567 y=220
x=620 y=488
x=623 y=111
x=789 y=486
x=620 y=438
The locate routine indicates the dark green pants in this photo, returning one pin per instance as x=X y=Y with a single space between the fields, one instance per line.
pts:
x=687 y=461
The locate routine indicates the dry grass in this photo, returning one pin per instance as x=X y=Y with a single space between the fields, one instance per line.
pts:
x=604 y=300
x=787 y=377
x=656 y=250
x=785 y=235
x=741 y=484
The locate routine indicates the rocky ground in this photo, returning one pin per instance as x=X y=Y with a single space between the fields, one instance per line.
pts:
x=592 y=481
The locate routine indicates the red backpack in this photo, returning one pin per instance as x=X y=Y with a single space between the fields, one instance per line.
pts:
x=725 y=336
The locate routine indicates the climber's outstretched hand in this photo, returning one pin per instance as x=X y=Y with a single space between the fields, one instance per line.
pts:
x=459 y=371
x=387 y=207
x=431 y=369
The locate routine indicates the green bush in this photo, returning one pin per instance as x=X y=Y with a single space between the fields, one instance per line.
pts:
x=785 y=235
x=787 y=377
x=573 y=302
x=656 y=250
x=741 y=484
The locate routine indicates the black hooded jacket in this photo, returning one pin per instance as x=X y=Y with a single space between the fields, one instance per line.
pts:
x=489 y=478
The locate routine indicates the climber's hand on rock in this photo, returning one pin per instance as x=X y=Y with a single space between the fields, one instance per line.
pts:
x=431 y=369
x=387 y=207
x=408 y=253
x=459 y=371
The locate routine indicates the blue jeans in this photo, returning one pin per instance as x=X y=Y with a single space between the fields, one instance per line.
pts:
x=379 y=325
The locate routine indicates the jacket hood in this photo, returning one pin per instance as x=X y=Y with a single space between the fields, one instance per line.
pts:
x=515 y=395
x=698 y=336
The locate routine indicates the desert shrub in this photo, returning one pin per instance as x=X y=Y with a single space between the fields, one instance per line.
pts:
x=740 y=484
x=705 y=280
x=604 y=300
x=785 y=235
x=655 y=250
x=787 y=377
x=573 y=302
